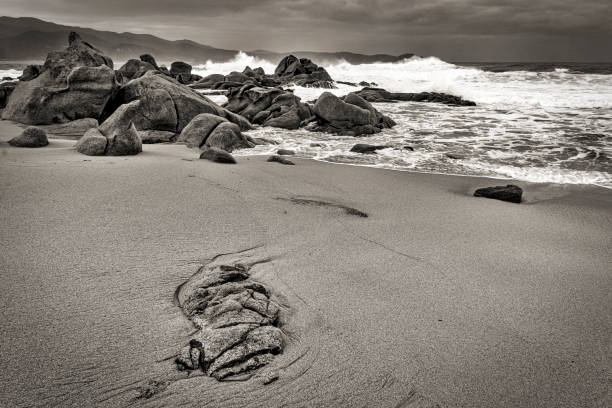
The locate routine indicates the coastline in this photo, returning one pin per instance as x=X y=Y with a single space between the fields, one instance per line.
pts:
x=437 y=297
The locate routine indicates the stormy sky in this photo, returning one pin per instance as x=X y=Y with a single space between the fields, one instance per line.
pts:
x=455 y=30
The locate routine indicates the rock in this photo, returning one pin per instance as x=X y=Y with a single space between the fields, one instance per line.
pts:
x=156 y=136
x=239 y=77
x=236 y=321
x=227 y=136
x=30 y=72
x=280 y=159
x=303 y=72
x=332 y=109
x=455 y=156
x=92 y=143
x=30 y=137
x=180 y=67
x=208 y=81
x=148 y=58
x=381 y=95
x=274 y=107
x=263 y=141
x=71 y=130
x=162 y=93
x=285 y=152
x=366 y=148
x=510 y=193
x=154 y=110
x=217 y=156
x=6 y=89
x=73 y=84
x=352 y=116
x=124 y=143
x=347 y=83
x=198 y=130
x=133 y=68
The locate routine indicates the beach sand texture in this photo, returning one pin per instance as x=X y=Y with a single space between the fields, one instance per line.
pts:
x=437 y=298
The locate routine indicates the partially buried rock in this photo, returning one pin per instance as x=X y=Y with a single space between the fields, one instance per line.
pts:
x=31 y=137
x=280 y=159
x=510 y=193
x=236 y=319
x=92 y=143
x=285 y=152
x=366 y=148
x=217 y=156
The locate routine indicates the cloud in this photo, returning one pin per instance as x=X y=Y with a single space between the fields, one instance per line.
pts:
x=358 y=25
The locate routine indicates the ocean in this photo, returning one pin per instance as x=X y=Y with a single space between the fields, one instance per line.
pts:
x=539 y=122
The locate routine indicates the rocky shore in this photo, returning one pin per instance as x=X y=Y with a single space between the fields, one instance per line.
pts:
x=332 y=282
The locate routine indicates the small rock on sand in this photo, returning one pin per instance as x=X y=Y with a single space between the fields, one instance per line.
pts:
x=510 y=193
x=217 y=155
x=31 y=137
x=280 y=159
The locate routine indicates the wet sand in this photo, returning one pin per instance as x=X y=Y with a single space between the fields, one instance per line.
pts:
x=436 y=297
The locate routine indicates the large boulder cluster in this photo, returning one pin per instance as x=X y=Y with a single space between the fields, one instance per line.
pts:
x=273 y=107
x=72 y=84
x=139 y=103
x=237 y=322
x=135 y=68
x=290 y=71
x=381 y=95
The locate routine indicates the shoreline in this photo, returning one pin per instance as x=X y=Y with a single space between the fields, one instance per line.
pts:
x=437 y=297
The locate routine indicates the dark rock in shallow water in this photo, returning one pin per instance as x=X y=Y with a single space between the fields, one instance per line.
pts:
x=206 y=130
x=285 y=152
x=6 y=89
x=92 y=143
x=381 y=95
x=236 y=320
x=280 y=159
x=364 y=148
x=217 y=155
x=31 y=137
x=227 y=136
x=73 y=84
x=197 y=131
x=510 y=193
x=352 y=116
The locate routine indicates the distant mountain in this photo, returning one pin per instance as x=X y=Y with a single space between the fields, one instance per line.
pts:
x=30 y=39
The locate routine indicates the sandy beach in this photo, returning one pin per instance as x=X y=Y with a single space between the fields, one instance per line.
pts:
x=437 y=298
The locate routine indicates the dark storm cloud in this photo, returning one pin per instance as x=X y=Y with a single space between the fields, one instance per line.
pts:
x=460 y=29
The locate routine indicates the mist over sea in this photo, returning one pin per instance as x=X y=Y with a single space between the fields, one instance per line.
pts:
x=534 y=122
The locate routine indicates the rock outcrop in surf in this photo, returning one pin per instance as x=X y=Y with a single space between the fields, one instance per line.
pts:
x=290 y=71
x=381 y=95
x=237 y=322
